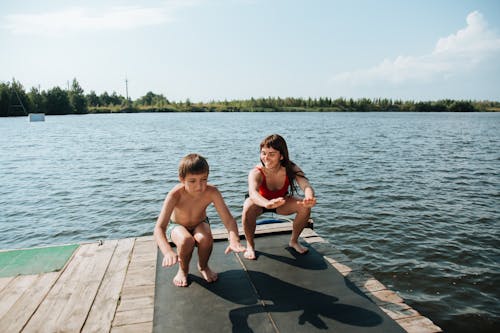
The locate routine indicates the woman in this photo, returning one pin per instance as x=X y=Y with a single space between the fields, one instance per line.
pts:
x=272 y=187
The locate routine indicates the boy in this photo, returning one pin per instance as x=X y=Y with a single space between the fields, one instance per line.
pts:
x=183 y=218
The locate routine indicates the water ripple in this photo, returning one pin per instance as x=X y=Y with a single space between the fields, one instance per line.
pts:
x=411 y=197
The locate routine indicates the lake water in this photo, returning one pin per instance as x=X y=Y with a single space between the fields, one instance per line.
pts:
x=412 y=197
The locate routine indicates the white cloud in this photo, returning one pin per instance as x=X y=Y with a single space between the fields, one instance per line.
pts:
x=453 y=54
x=78 y=19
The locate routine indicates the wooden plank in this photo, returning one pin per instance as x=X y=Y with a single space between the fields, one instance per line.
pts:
x=17 y=287
x=67 y=304
x=5 y=281
x=146 y=327
x=385 y=296
x=21 y=311
x=137 y=303
x=135 y=316
x=399 y=310
x=138 y=288
x=344 y=268
x=103 y=309
x=418 y=324
x=132 y=292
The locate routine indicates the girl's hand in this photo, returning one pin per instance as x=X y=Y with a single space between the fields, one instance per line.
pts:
x=274 y=203
x=307 y=202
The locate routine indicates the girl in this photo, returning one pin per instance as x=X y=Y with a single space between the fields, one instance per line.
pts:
x=272 y=186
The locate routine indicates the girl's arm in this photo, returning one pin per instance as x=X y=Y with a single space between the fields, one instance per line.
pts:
x=309 y=199
x=254 y=181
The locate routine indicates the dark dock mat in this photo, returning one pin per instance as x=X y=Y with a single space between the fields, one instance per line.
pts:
x=281 y=291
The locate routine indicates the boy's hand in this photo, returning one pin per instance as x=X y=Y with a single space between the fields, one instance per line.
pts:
x=234 y=246
x=170 y=259
x=307 y=202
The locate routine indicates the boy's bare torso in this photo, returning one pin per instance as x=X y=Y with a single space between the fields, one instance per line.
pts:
x=190 y=209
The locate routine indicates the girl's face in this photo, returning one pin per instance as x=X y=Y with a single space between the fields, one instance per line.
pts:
x=195 y=183
x=270 y=157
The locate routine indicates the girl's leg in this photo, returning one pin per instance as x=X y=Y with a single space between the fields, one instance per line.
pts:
x=249 y=221
x=205 y=241
x=184 y=242
x=299 y=223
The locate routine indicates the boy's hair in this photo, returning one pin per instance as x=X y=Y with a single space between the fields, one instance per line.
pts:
x=194 y=164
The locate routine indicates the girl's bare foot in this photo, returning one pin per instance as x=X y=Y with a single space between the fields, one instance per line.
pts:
x=180 y=279
x=249 y=253
x=297 y=247
x=208 y=274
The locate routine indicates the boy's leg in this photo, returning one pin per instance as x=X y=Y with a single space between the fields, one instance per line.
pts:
x=204 y=241
x=299 y=222
x=249 y=221
x=185 y=243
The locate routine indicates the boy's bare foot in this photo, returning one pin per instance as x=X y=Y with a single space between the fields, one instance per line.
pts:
x=208 y=274
x=180 y=279
x=299 y=248
x=249 y=253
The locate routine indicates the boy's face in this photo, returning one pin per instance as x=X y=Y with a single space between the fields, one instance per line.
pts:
x=195 y=183
x=270 y=157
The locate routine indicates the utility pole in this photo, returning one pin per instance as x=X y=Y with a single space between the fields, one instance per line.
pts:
x=126 y=87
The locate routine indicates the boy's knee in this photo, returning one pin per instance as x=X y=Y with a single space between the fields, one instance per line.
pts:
x=205 y=241
x=187 y=242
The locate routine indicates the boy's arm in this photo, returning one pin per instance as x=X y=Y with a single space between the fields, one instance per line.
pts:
x=229 y=222
x=169 y=256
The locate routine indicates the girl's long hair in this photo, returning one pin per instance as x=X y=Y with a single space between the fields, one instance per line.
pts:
x=277 y=142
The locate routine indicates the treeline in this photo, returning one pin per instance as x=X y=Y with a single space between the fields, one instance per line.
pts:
x=15 y=101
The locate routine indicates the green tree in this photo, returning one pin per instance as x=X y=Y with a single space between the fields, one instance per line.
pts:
x=4 y=99
x=37 y=101
x=461 y=106
x=93 y=99
x=77 y=98
x=57 y=102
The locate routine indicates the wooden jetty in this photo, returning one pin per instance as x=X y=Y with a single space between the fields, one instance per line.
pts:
x=110 y=287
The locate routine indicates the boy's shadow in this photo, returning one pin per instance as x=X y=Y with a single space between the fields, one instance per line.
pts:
x=279 y=296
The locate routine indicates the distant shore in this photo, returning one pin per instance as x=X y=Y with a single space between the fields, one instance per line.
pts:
x=15 y=101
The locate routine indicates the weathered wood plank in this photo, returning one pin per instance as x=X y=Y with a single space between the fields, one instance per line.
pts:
x=5 y=281
x=385 y=296
x=138 y=289
x=418 y=324
x=344 y=268
x=15 y=290
x=129 y=304
x=146 y=327
x=103 y=309
x=399 y=310
x=135 y=316
x=67 y=304
x=20 y=312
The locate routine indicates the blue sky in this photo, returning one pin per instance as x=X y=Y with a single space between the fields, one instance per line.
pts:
x=237 y=49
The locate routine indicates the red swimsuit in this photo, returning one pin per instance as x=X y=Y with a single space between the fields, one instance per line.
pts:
x=267 y=193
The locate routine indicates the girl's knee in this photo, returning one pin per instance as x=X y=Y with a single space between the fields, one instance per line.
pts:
x=250 y=210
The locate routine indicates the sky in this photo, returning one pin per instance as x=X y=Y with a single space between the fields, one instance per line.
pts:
x=215 y=50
